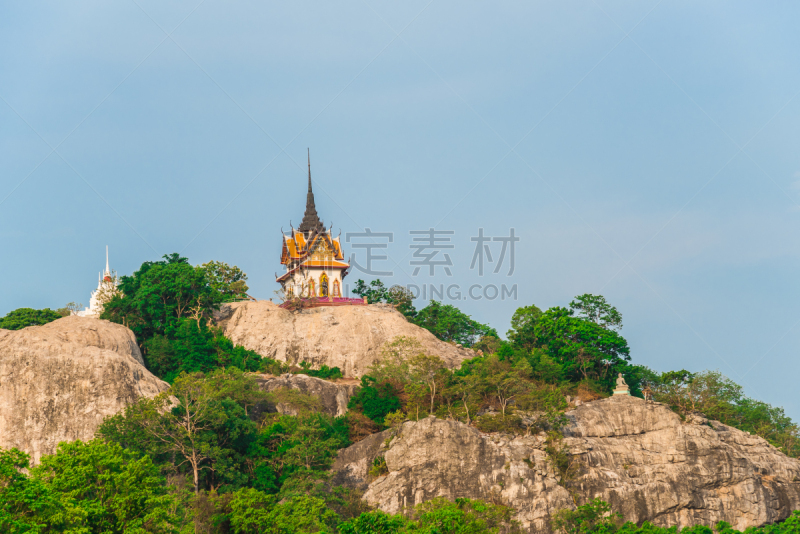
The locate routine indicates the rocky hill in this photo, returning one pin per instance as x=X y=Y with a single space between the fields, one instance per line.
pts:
x=58 y=381
x=348 y=337
x=640 y=457
x=333 y=396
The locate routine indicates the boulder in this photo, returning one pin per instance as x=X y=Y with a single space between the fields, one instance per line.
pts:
x=60 y=380
x=640 y=457
x=332 y=395
x=348 y=337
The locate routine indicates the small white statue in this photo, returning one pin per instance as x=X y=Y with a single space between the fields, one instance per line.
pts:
x=622 y=388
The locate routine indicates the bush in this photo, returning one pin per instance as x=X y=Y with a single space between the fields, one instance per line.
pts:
x=24 y=317
x=499 y=423
x=375 y=400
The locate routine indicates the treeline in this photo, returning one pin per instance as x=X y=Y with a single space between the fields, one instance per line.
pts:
x=597 y=517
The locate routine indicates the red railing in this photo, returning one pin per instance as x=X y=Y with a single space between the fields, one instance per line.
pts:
x=322 y=301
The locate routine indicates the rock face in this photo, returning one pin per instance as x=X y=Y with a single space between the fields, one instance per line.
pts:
x=333 y=396
x=58 y=381
x=347 y=337
x=638 y=456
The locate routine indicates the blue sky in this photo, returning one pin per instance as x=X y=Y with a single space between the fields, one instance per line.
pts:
x=646 y=151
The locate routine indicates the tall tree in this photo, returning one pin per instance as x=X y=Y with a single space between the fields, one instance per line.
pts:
x=594 y=308
x=523 y=327
x=448 y=323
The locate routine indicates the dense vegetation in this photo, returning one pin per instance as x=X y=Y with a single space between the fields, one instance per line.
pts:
x=211 y=454
x=597 y=517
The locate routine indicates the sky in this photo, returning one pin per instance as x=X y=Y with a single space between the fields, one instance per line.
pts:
x=645 y=151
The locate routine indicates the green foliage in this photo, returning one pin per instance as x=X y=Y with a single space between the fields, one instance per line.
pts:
x=113 y=489
x=448 y=323
x=378 y=467
x=594 y=308
x=205 y=436
x=511 y=424
x=168 y=304
x=325 y=372
x=397 y=295
x=376 y=522
x=229 y=281
x=374 y=399
x=584 y=349
x=523 y=327
x=24 y=317
x=28 y=504
x=157 y=296
x=254 y=512
x=595 y=516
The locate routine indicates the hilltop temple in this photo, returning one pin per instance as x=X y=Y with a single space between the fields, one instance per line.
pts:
x=314 y=261
x=106 y=286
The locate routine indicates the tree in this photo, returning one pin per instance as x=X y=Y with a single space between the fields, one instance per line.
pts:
x=195 y=422
x=375 y=399
x=24 y=317
x=159 y=294
x=594 y=516
x=28 y=504
x=583 y=348
x=426 y=369
x=594 y=308
x=448 y=323
x=115 y=490
x=374 y=292
x=230 y=281
x=523 y=327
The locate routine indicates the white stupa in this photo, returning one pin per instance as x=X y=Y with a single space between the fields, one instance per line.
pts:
x=105 y=285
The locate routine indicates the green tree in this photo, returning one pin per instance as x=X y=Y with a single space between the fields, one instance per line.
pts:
x=374 y=399
x=523 y=327
x=115 y=490
x=374 y=292
x=24 y=317
x=594 y=308
x=28 y=504
x=199 y=424
x=157 y=296
x=594 y=516
x=448 y=323
x=228 y=280
x=584 y=349
x=254 y=512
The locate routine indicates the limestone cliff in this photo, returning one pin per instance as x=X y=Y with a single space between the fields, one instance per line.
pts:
x=58 y=381
x=638 y=456
x=348 y=337
x=333 y=396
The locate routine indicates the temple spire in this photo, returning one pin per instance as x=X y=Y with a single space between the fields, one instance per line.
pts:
x=311 y=220
x=108 y=271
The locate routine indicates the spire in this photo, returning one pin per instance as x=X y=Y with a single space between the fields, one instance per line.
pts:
x=311 y=220
x=108 y=271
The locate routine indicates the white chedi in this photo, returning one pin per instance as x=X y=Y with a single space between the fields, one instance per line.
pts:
x=106 y=289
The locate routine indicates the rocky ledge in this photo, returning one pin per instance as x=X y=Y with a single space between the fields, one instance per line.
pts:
x=58 y=381
x=638 y=456
x=333 y=396
x=348 y=337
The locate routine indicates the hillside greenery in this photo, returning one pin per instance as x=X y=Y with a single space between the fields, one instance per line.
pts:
x=211 y=455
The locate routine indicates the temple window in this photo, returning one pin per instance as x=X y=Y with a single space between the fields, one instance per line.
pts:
x=336 y=289
x=323 y=285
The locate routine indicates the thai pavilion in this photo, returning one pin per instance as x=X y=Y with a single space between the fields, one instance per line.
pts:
x=313 y=258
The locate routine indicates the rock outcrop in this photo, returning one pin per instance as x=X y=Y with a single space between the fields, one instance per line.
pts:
x=347 y=337
x=333 y=396
x=58 y=381
x=638 y=456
